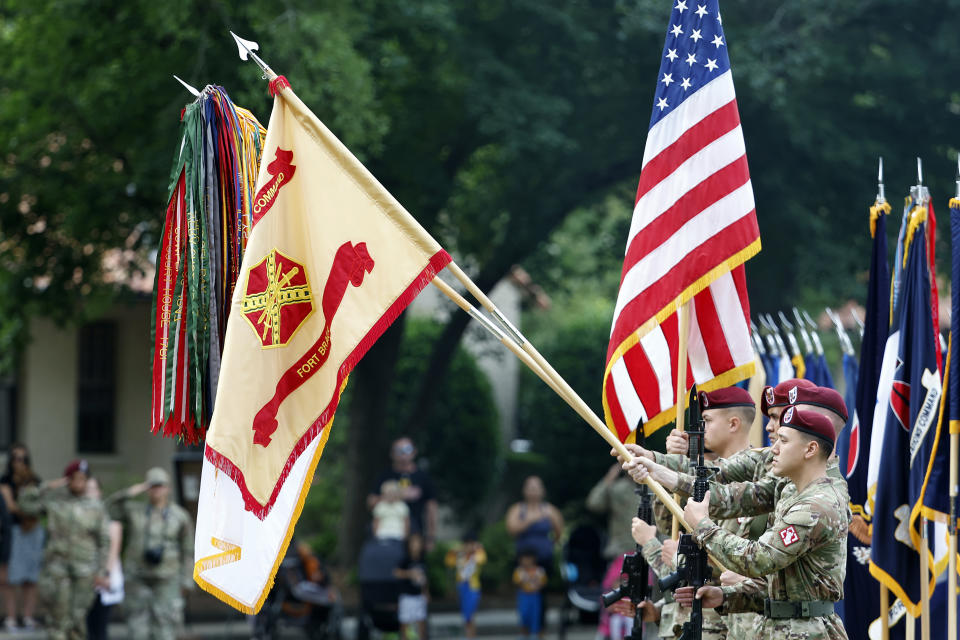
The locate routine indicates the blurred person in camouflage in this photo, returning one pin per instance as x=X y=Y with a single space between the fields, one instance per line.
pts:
x=158 y=556
x=78 y=544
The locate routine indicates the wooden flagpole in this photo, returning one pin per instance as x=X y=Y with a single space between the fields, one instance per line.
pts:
x=684 y=312
x=952 y=532
x=522 y=348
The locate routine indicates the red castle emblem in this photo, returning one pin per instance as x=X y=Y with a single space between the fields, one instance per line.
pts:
x=276 y=299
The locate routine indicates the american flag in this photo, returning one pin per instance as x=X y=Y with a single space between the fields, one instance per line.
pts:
x=694 y=225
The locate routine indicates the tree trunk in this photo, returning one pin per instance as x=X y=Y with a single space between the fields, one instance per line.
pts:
x=367 y=439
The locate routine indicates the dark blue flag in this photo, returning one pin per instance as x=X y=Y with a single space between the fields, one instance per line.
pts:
x=860 y=589
x=910 y=429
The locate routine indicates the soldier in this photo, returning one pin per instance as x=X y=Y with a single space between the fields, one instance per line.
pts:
x=803 y=553
x=727 y=416
x=78 y=544
x=158 y=557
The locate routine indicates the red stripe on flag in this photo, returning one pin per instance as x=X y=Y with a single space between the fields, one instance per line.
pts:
x=689 y=206
x=642 y=375
x=718 y=352
x=721 y=121
x=615 y=412
x=740 y=282
x=647 y=303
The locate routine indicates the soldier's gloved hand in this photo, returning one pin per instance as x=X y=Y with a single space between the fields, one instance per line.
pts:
x=729 y=578
x=695 y=511
x=710 y=596
x=642 y=532
x=677 y=442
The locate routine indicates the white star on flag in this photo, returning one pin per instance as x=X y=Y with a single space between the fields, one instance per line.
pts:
x=711 y=64
x=681 y=6
x=667 y=79
x=676 y=30
x=695 y=36
x=701 y=10
x=691 y=59
x=685 y=84
x=662 y=104
x=672 y=55
x=717 y=40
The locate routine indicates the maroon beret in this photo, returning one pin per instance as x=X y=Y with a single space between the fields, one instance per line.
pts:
x=809 y=422
x=822 y=397
x=779 y=396
x=727 y=397
x=76 y=465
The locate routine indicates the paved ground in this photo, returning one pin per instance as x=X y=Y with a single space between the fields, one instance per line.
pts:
x=491 y=625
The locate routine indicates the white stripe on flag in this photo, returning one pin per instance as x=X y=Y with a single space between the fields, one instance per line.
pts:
x=730 y=313
x=658 y=262
x=627 y=396
x=658 y=353
x=705 y=101
x=694 y=170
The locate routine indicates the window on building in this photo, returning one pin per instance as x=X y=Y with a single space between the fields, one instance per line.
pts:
x=96 y=388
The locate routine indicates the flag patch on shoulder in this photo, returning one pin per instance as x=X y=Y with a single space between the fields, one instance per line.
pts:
x=789 y=536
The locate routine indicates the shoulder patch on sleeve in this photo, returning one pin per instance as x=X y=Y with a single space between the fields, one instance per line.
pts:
x=789 y=536
x=801 y=517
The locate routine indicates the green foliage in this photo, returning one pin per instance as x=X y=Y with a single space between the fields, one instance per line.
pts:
x=439 y=576
x=498 y=572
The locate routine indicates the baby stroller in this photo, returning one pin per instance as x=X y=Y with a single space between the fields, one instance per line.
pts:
x=301 y=598
x=582 y=571
x=379 y=587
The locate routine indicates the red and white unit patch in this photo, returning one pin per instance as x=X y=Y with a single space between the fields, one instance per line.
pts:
x=789 y=536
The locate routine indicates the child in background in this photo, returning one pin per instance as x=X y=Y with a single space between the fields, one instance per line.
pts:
x=391 y=516
x=467 y=559
x=412 y=603
x=530 y=578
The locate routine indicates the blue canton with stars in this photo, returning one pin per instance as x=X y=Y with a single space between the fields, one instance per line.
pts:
x=694 y=54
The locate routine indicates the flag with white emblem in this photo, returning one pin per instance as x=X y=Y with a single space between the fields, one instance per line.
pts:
x=694 y=225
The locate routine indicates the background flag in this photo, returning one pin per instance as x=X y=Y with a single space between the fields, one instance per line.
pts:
x=331 y=261
x=694 y=225
x=911 y=426
x=860 y=589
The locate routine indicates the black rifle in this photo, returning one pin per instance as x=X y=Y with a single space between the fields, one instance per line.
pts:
x=635 y=574
x=692 y=570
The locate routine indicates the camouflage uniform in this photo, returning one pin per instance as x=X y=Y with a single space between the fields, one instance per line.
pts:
x=78 y=544
x=743 y=466
x=803 y=556
x=154 y=592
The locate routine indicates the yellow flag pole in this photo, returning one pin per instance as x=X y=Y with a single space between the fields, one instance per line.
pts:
x=545 y=372
x=684 y=311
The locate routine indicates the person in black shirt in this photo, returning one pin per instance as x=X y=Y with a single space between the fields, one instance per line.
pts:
x=416 y=487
